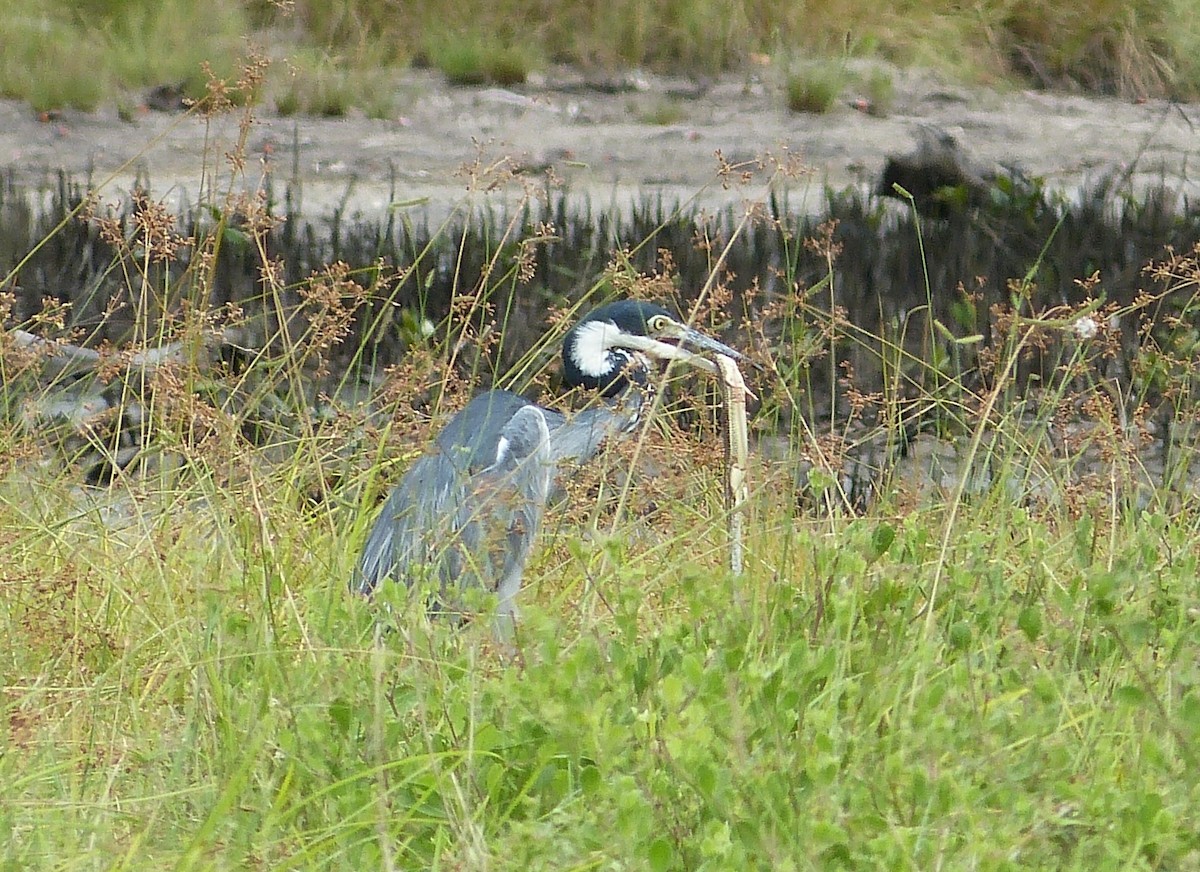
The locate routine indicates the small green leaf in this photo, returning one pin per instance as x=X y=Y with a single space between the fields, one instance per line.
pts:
x=960 y=635
x=589 y=779
x=943 y=329
x=659 y=855
x=341 y=714
x=236 y=239
x=1130 y=695
x=882 y=538
x=1044 y=688
x=820 y=481
x=963 y=313
x=1030 y=622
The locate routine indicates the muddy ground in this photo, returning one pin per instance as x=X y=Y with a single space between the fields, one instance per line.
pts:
x=604 y=138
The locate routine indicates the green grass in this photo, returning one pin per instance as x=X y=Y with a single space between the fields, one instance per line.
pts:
x=59 y=53
x=880 y=90
x=479 y=59
x=662 y=112
x=80 y=55
x=315 y=84
x=814 y=89
x=47 y=62
x=199 y=689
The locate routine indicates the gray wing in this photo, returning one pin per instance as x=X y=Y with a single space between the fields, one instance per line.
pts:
x=470 y=439
x=457 y=523
x=468 y=513
x=416 y=517
x=498 y=523
x=419 y=516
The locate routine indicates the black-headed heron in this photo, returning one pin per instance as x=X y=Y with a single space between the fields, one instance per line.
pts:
x=466 y=514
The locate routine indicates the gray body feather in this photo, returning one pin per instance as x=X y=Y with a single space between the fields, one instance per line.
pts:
x=466 y=514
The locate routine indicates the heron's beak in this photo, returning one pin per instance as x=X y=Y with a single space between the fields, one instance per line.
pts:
x=687 y=339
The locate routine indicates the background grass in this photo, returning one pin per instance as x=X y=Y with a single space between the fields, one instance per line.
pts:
x=60 y=53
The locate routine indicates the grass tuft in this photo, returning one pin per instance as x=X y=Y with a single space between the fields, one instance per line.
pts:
x=880 y=88
x=46 y=63
x=663 y=112
x=476 y=59
x=314 y=84
x=814 y=88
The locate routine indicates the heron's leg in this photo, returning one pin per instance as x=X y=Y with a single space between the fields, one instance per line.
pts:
x=510 y=583
x=505 y=622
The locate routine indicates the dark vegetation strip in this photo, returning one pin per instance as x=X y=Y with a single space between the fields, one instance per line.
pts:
x=414 y=273
x=915 y=310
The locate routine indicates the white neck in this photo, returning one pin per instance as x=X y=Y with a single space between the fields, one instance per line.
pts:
x=589 y=351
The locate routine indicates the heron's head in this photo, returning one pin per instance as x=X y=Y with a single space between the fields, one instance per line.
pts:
x=599 y=352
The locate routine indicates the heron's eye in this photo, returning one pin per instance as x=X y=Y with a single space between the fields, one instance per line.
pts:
x=658 y=323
